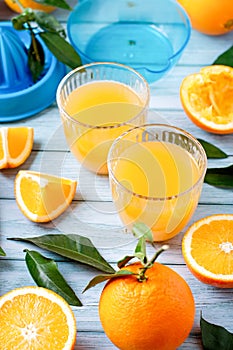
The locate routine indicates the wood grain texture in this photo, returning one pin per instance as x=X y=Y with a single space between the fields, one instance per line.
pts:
x=92 y=212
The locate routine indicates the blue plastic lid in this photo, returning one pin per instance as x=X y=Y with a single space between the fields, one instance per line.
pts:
x=19 y=96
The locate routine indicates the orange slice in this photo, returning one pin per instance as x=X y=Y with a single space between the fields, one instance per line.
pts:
x=15 y=146
x=207 y=98
x=43 y=197
x=207 y=248
x=36 y=318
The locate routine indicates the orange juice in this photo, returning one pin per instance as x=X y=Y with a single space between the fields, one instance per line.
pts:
x=101 y=111
x=154 y=184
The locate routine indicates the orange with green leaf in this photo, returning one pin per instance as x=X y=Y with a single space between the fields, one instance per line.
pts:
x=145 y=305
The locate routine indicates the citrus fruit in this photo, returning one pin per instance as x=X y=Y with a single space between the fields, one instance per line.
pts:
x=43 y=197
x=156 y=314
x=15 y=146
x=13 y=5
x=212 y=17
x=207 y=98
x=36 y=318
x=207 y=248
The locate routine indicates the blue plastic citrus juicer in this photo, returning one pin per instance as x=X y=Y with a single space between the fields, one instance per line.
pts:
x=19 y=96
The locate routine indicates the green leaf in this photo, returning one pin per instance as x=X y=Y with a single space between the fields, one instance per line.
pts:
x=61 y=49
x=121 y=263
x=212 y=151
x=140 y=229
x=220 y=177
x=215 y=337
x=143 y=233
x=101 y=278
x=140 y=250
x=36 y=58
x=2 y=253
x=45 y=273
x=56 y=3
x=226 y=58
x=49 y=23
x=71 y=246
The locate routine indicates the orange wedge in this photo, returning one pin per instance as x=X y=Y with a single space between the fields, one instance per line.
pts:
x=36 y=318
x=43 y=197
x=207 y=248
x=207 y=98
x=15 y=146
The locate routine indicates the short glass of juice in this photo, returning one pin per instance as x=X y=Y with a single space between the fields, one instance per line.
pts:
x=97 y=103
x=156 y=173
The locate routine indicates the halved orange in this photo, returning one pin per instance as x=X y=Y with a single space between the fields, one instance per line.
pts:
x=15 y=146
x=43 y=197
x=207 y=98
x=36 y=318
x=207 y=248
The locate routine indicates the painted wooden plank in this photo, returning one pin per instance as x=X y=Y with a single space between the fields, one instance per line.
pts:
x=49 y=133
x=79 y=276
x=91 y=186
x=95 y=220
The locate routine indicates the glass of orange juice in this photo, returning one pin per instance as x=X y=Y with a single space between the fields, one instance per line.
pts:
x=97 y=103
x=156 y=173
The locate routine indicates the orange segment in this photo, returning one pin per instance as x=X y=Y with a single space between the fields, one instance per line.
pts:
x=207 y=98
x=36 y=318
x=207 y=248
x=15 y=146
x=43 y=197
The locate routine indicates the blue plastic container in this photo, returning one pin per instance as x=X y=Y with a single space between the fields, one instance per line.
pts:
x=148 y=35
x=19 y=96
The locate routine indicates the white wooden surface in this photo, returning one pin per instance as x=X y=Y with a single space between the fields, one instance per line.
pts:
x=92 y=212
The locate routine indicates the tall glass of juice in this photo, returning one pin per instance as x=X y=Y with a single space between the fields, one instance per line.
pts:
x=156 y=174
x=97 y=103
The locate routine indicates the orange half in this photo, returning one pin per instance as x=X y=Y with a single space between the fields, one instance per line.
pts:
x=15 y=146
x=43 y=197
x=207 y=98
x=36 y=318
x=207 y=248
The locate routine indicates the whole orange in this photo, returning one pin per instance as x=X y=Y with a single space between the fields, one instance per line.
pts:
x=212 y=17
x=12 y=4
x=156 y=314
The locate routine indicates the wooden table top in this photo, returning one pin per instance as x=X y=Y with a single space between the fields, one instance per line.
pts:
x=92 y=212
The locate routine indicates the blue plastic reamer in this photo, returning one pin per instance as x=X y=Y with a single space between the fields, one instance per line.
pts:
x=14 y=71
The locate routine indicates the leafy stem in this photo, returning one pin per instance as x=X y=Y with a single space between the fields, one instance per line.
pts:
x=34 y=43
x=142 y=275
x=45 y=29
x=144 y=235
